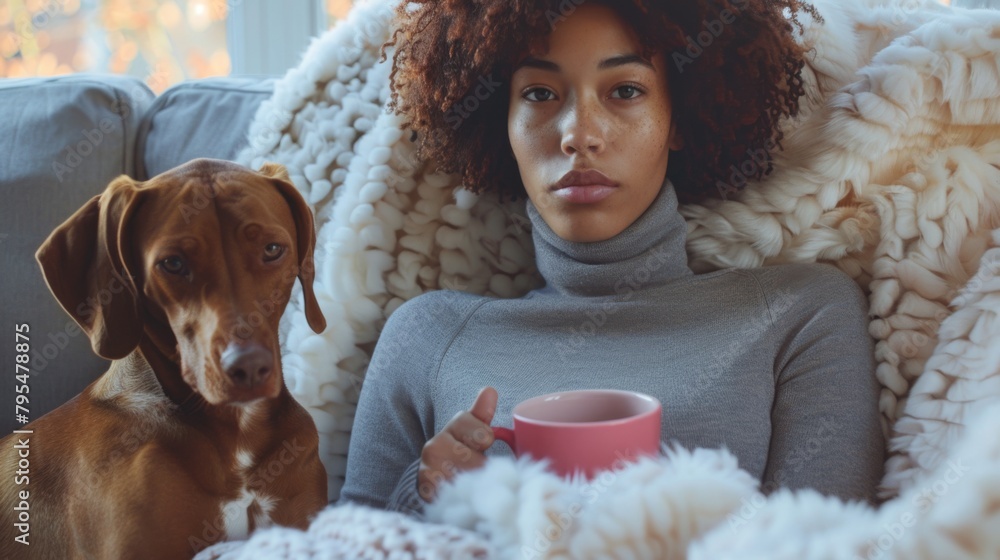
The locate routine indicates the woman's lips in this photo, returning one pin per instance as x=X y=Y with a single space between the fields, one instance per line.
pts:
x=587 y=194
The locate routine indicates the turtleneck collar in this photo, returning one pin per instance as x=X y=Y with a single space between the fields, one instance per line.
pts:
x=649 y=252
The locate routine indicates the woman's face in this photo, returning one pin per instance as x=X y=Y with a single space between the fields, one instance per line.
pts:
x=591 y=102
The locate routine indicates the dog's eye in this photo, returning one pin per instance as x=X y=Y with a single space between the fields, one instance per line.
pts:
x=173 y=265
x=272 y=251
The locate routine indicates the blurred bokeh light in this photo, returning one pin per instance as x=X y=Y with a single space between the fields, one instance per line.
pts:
x=337 y=10
x=161 y=41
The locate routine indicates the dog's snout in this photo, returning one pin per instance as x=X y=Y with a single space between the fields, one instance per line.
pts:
x=247 y=365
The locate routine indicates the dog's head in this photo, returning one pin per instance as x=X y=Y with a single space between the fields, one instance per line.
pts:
x=201 y=260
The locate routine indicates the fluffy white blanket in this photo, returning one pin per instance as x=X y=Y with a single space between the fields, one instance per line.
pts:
x=891 y=172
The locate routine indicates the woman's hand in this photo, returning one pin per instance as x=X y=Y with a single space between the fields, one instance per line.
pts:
x=459 y=446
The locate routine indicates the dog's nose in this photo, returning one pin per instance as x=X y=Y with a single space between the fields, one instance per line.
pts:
x=247 y=364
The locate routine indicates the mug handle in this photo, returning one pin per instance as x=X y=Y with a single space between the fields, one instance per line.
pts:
x=505 y=435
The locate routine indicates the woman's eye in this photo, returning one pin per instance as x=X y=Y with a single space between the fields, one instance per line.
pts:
x=634 y=89
x=530 y=91
x=627 y=92
x=173 y=265
x=272 y=251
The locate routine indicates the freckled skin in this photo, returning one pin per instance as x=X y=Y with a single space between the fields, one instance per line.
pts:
x=616 y=120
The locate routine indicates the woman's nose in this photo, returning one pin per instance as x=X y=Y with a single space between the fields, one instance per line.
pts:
x=582 y=130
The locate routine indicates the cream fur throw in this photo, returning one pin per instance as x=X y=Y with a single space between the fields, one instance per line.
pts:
x=891 y=172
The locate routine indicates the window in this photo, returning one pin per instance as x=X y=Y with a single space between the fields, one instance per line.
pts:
x=161 y=41
x=336 y=10
x=976 y=3
x=167 y=41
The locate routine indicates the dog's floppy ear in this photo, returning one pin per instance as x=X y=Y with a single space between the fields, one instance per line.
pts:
x=83 y=266
x=306 y=240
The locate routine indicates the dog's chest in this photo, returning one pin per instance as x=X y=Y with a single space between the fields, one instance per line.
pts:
x=251 y=509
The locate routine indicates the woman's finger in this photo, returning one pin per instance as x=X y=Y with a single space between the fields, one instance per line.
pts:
x=470 y=432
x=485 y=405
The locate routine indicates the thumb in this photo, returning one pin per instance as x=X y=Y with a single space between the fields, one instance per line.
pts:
x=485 y=405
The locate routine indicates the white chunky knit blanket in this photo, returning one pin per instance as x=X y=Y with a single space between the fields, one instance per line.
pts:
x=891 y=172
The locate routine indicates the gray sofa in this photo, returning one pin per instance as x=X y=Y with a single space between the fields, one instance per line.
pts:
x=62 y=140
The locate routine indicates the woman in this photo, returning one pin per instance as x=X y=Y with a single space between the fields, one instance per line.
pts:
x=773 y=363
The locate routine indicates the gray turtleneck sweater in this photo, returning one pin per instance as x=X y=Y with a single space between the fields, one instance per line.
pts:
x=773 y=363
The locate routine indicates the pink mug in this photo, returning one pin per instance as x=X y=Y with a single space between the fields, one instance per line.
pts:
x=586 y=430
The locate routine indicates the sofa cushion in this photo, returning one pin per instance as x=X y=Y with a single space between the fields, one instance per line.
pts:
x=64 y=139
x=199 y=118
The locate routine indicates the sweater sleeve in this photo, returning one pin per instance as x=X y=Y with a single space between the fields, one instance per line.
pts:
x=395 y=415
x=826 y=428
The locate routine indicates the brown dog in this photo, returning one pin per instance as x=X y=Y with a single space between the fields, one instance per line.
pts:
x=191 y=437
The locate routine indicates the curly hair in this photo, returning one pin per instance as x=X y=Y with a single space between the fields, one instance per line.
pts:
x=734 y=70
